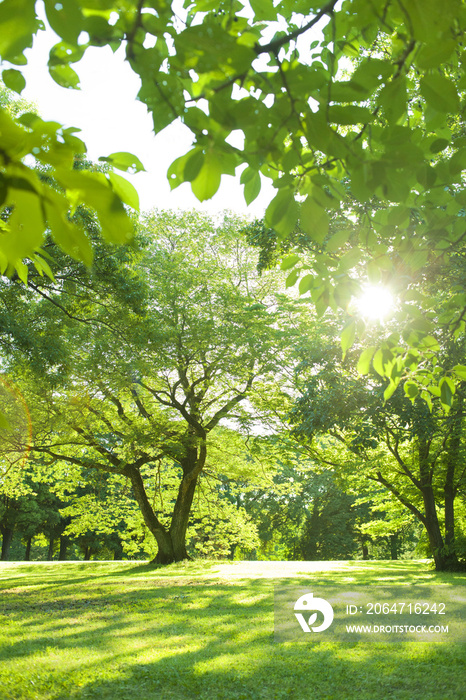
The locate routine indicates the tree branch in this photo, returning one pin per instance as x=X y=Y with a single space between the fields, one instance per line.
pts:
x=76 y=460
x=225 y=410
x=276 y=45
x=87 y=321
x=400 y=497
x=396 y=454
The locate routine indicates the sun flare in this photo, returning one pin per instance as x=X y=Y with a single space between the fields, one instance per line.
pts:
x=375 y=303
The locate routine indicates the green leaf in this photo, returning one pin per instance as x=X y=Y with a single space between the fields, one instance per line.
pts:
x=348 y=335
x=65 y=76
x=21 y=271
x=263 y=10
x=425 y=396
x=65 y=18
x=434 y=54
x=290 y=261
x=292 y=278
x=185 y=168
x=374 y=272
x=390 y=390
x=411 y=390
x=14 y=80
x=381 y=360
x=166 y=102
x=344 y=291
x=306 y=283
x=361 y=183
x=193 y=162
x=460 y=371
x=439 y=92
x=94 y=189
x=338 y=240
x=26 y=224
x=351 y=114
x=393 y=99
x=314 y=220
x=65 y=53
x=439 y=145
x=67 y=235
x=365 y=360
x=369 y=74
x=282 y=212
x=207 y=182
x=447 y=390
x=42 y=266
x=125 y=190
x=122 y=160
x=251 y=180
x=322 y=137
x=430 y=343
x=18 y=24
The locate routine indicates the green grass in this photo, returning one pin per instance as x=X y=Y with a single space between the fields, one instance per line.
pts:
x=126 y=631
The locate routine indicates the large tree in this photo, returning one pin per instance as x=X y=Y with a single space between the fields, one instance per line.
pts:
x=360 y=99
x=140 y=391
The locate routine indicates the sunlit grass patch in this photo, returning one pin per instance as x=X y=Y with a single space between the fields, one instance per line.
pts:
x=117 y=631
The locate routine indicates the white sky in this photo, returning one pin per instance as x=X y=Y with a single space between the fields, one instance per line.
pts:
x=111 y=119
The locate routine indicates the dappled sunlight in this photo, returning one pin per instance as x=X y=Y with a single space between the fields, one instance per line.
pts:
x=154 y=635
x=274 y=569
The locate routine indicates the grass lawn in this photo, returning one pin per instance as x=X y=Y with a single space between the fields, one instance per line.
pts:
x=129 y=631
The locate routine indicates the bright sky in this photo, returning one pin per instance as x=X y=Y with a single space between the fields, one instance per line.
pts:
x=111 y=119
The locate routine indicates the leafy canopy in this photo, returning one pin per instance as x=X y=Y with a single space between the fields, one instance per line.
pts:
x=353 y=110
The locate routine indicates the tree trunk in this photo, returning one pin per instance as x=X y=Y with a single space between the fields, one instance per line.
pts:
x=87 y=554
x=172 y=542
x=449 y=490
x=117 y=551
x=310 y=546
x=173 y=547
x=165 y=554
x=449 y=496
x=7 y=537
x=27 y=554
x=180 y=518
x=394 y=546
x=444 y=559
x=64 y=544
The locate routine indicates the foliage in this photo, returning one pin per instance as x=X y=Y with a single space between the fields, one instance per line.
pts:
x=151 y=360
x=353 y=111
x=42 y=182
x=302 y=513
x=414 y=453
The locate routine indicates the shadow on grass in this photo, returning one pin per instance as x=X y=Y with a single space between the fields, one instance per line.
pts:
x=124 y=632
x=261 y=670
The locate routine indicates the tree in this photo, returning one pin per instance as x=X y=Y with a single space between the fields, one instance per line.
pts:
x=304 y=514
x=142 y=393
x=337 y=103
x=28 y=510
x=415 y=453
